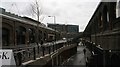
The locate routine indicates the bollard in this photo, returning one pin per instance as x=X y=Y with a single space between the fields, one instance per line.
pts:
x=34 y=53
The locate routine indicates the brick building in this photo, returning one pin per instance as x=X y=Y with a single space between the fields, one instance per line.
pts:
x=67 y=31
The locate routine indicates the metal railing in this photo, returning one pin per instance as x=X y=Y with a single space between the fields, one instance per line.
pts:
x=25 y=54
x=102 y=57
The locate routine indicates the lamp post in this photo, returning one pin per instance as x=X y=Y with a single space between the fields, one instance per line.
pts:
x=55 y=32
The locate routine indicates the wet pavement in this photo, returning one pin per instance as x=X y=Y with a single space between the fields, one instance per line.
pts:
x=78 y=59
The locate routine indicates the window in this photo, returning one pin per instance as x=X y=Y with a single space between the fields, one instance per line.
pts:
x=101 y=22
x=31 y=35
x=117 y=9
x=107 y=16
x=20 y=33
x=5 y=36
x=40 y=35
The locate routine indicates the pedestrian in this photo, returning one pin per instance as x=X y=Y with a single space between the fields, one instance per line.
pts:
x=86 y=58
x=84 y=50
x=43 y=48
x=87 y=62
x=41 y=42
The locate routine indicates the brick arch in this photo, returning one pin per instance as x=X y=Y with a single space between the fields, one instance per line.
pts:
x=8 y=28
x=5 y=36
x=21 y=35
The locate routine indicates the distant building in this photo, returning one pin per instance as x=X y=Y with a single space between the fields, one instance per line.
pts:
x=72 y=28
x=67 y=31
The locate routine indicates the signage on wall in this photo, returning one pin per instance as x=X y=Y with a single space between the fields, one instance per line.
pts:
x=7 y=58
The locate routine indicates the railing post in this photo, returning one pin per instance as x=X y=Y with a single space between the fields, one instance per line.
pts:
x=19 y=58
x=56 y=46
x=43 y=48
x=104 y=58
x=49 y=49
x=53 y=47
x=38 y=49
x=34 y=53
x=28 y=52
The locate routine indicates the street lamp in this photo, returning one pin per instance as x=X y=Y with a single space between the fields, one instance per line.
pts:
x=55 y=31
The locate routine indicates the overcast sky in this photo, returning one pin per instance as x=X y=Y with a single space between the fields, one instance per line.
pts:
x=76 y=12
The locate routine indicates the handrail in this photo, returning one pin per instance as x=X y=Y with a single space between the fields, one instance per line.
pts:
x=32 y=52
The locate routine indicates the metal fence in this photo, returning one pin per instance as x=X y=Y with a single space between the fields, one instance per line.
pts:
x=32 y=52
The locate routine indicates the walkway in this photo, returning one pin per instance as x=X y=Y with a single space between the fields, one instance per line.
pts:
x=79 y=58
